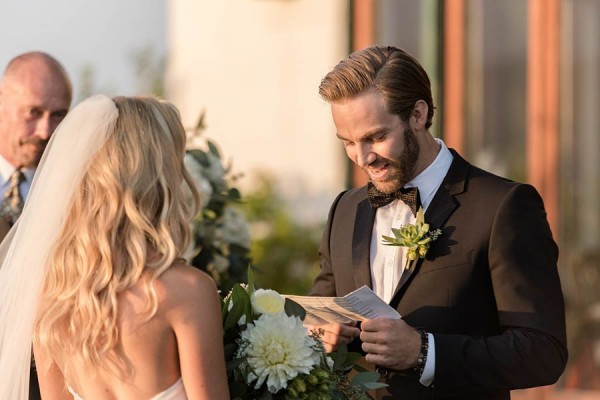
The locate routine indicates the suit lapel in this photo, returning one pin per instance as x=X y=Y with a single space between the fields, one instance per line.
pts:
x=442 y=205
x=361 y=243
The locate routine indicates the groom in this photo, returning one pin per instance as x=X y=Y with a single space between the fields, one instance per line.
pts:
x=482 y=312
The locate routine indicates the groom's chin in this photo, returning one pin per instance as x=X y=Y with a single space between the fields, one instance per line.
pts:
x=385 y=186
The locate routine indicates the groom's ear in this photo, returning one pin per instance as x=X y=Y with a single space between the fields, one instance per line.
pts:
x=419 y=115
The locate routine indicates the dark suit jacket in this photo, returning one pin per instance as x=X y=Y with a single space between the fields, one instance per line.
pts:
x=488 y=288
x=4 y=228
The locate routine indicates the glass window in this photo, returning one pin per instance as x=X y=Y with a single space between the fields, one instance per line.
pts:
x=413 y=26
x=580 y=188
x=495 y=80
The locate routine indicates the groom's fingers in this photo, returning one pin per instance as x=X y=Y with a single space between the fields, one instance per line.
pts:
x=390 y=343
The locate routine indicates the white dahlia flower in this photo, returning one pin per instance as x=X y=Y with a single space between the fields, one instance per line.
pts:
x=267 y=301
x=277 y=348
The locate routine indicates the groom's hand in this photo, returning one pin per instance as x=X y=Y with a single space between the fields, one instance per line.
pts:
x=390 y=343
x=334 y=334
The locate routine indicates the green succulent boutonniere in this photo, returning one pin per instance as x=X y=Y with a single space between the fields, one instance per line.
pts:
x=416 y=237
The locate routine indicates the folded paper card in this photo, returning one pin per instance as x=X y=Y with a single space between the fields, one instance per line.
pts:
x=359 y=305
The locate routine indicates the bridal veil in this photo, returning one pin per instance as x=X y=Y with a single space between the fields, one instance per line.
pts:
x=25 y=250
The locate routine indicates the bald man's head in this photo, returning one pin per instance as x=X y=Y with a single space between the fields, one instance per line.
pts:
x=35 y=95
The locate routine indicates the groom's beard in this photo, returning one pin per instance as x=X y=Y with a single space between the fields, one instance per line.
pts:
x=403 y=167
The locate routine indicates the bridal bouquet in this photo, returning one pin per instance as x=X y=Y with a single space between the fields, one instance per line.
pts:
x=271 y=355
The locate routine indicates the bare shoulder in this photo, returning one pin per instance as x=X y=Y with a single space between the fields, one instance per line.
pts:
x=184 y=285
x=184 y=276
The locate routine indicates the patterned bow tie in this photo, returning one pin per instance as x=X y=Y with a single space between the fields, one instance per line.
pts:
x=410 y=196
x=12 y=205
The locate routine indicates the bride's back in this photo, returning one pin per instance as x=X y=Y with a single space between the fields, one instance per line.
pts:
x=147 y=350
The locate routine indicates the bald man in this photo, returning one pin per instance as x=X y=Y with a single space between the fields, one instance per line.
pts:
x=35 y=96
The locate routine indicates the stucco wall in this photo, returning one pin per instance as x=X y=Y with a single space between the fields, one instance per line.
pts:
x=255 y=67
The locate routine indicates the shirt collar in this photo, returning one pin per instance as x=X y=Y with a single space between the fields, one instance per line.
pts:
x=431 y=178
x=28 y=172
x=7 y=169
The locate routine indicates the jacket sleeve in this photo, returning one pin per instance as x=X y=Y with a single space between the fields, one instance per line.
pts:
x=324 y=283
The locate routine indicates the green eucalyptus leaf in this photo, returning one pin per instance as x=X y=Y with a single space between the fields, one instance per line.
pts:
x=374 y=385
x=239 y=295
x=293 y=309
x=214 y=150
x=200 y=156
x=340 y=356
x=251 y=287
x=234 y=315
x=200 y=125
x=365 y=377
x=234 y=194
x=353 y=357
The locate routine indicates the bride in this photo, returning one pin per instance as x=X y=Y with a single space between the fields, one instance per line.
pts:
x=91 y=271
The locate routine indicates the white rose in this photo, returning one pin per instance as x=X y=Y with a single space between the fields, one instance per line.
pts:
x=267 y=301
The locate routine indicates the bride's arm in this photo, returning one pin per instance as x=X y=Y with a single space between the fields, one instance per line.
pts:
x=51 y=379
x=196 y=321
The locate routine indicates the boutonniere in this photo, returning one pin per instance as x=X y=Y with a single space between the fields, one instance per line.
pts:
x=416 y=237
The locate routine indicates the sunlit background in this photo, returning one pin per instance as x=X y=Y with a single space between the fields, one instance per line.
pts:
x=516 y=84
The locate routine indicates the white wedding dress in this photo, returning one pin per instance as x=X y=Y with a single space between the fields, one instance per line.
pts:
x=175 y=392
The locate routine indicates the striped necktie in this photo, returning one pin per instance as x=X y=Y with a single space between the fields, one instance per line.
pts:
x=12 y=205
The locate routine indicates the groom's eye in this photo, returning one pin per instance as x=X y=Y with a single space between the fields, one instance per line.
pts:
x=379 y=138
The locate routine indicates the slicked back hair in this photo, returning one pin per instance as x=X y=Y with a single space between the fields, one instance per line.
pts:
x=395 y=74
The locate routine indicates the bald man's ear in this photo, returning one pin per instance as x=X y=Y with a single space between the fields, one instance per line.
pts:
x=419 y=113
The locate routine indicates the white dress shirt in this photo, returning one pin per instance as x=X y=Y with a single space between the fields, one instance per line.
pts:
x=387 y=262
x=6 y=170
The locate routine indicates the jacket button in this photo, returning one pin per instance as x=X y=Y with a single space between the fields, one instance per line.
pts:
x=383 y=372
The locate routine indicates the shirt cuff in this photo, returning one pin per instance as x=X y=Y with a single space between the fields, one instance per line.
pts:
x=429 y=371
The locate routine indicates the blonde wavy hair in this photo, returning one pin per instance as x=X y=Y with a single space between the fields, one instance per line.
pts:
x=133 y=197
